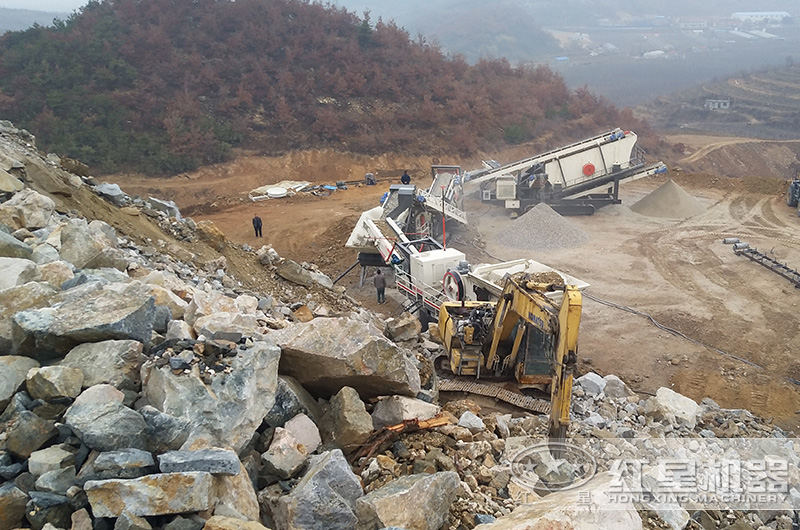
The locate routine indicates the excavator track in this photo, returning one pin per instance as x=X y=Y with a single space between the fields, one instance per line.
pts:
x=518 y=400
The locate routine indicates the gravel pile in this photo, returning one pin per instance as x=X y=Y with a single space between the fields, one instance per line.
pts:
x=669 y=200
x=542 y=228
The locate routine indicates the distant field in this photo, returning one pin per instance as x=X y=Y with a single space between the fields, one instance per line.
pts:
x=628 y=82
x=765 y=104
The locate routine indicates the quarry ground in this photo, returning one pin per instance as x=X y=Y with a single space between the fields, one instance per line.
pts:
x=678 y=271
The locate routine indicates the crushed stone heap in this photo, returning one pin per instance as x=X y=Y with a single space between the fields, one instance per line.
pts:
x=542 y=228
x=669 y=200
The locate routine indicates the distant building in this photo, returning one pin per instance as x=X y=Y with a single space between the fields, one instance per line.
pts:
x=717 y=103
x=694 y=24
x=760 y=16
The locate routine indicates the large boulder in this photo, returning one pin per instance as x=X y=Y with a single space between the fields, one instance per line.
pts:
x=56 y=273
x=27 y=432
x=112 y=192
x=235 y=496
x=168 y=207
x=211 y=235
x=9 y=183
x=166 y=431
x=52 y=458
x=346 y=422
x=215 y=460
x=163 y=296
x=205 y=304
x=27 y=209
x=324 y=498
x=115 y=362
x=159 y=494
x=391 y=410
x=229 y=409
x=102 y=422
x=13 y=370
x=326 y=354
x=124 y=463
x=95 y=316
x=616 y=387
x=12 y=505
x=11 y=247
x=285 y=456
x=405 y=327
x=30 y=295
x=591 y=383
x=17 y=271
x=668 y=405
x=414 y=501
x=226 y=326
x=295 y=273
x=291 y=399
x=80 y=245
x=587 y=507
x=305 y=432
x=53 y=382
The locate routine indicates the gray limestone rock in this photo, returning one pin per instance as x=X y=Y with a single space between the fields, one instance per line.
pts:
x=229 y=409
x=346 y=352
x=13 y=370
x=215 y=461
x=17 y=271
x=57 y=480
x=346 y=422
x=12 y=505
x=291 y=399
x=115 y=362
x=95 y=316
x=27 y=209
x=324 y=498
x=53 y=382
x=165 y=432
x=27 y=432
x=124 y=463
x=11 y=247
x=99 y=418
x=414 y=501
x=159 y=494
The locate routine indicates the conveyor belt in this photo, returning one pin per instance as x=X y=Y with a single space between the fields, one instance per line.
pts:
x=793 y=275
x=518 y=400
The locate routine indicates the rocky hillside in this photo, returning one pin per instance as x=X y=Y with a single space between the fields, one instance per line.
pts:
x=152 y=375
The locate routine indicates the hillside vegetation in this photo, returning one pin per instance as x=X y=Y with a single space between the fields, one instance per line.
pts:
x=763 y=104
x=162 y=87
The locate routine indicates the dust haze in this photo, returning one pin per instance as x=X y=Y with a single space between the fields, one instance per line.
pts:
x=627 y=51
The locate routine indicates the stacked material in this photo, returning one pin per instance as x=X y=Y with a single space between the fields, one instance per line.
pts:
x=669 y=200
x=540 y=228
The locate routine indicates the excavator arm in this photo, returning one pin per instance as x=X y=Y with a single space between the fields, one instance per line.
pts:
x=569 y=319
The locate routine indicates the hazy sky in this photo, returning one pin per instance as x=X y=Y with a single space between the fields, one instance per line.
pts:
x=44 y=5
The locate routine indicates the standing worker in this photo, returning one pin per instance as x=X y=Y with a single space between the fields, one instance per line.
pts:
x=406 y=178
x=257 y=225
x=380 y=286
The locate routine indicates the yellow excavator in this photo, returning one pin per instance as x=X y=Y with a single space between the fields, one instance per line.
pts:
x=524 y=335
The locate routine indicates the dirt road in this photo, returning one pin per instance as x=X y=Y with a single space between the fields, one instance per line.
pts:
x=679 y=272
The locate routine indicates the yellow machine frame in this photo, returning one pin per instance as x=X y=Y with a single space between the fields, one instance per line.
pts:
x=522 y=303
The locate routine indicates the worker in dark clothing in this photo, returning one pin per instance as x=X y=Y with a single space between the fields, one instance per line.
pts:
x=380 y=286
x=257 y=225
x=406 y=178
